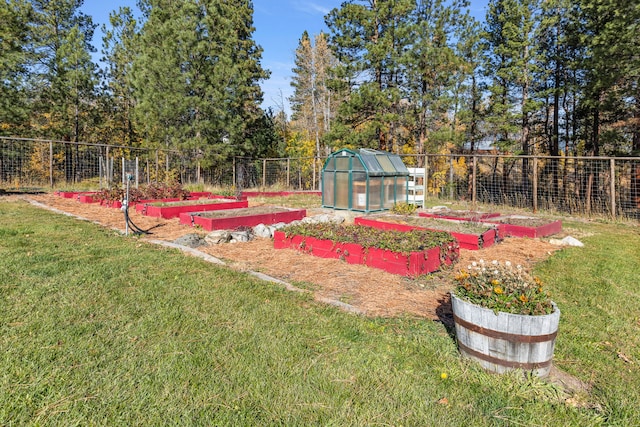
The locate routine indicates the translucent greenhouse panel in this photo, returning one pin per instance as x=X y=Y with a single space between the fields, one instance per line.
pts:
x=371 y=164
x=357 y=164
x=375 y=193
x=389 y=192
x=342 y=163
x=331 y=164
x=342 y=190
x=399 y=164
x=401 y=189
x=328 y=189
x=386 y=164
x=359 y=191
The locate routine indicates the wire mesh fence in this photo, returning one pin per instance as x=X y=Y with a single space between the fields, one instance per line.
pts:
x=585 y=186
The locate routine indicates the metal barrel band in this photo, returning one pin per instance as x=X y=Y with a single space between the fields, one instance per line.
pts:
x=504 y=335
x=502 y=362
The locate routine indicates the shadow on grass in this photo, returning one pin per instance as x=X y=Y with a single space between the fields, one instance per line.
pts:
x=22 y=191
x=444 y=312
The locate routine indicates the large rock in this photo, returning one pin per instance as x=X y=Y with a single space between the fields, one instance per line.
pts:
x=240 y=236
x=190 y=240
x=567 y=241
x=218 y=236
x=263 y=231
x=323 y=218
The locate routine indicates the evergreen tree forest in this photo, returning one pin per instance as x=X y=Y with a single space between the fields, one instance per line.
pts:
x=186 y=76
x=550 y=77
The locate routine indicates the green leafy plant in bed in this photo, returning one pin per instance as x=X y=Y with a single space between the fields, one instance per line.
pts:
x=468 y=227
x=368 y=237
x=404 y=209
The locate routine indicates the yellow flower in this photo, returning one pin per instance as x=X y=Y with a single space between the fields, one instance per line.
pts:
x=462 y=275
x=523 y=298
x=497 y=290
x=444 y=375
x=495 y=282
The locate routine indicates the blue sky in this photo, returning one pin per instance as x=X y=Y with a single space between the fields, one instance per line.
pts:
x=279 y=25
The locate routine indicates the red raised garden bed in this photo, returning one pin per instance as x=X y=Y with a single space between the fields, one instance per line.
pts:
x=200 y=194
x=218 y=196
x=67 y=194
x=468 y=241
x=520 y=226
x=169 y=212
x=117 y=204
x=460 y=215
x=278 y=193
x=86 y=198
x=412 y=265
x=244 y=217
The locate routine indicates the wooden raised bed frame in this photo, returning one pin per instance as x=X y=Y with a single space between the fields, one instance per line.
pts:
x=473 y=216
x=468 y=241
x=513 y=230
x=168 y=212
x=411 y=265
x=278 y=193
x=210 y=224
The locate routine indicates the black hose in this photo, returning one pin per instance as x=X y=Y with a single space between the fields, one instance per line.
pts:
x=136 y=230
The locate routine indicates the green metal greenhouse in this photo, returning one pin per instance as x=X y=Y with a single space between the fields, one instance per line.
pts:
x=364 y=180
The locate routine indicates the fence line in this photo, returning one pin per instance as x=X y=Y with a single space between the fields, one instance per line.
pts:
x=588 y=186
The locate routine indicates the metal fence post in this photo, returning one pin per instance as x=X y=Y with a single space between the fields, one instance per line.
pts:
x=426 y=175
x=288 y=172
x=612 y=166
x=534 y=194
x=451 y=176
x=473 y=182
x=264 y=173
x=51 y=163
x=313 y=185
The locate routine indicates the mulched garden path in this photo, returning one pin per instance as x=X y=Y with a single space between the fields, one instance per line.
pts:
x=373 y=292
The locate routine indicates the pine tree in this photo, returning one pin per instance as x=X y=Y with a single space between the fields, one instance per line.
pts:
x=196 y=77
x=313 y=101
x=119 y=48
x=63 y=75
x=303 y=100
x=469 y=52
x=368 y=39
x=435 y=74
x=16 y=59
x=511 y=62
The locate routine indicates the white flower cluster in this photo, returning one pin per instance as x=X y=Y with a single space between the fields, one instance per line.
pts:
x=482 y=265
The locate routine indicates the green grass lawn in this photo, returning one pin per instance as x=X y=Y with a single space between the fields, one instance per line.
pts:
x=101 y=329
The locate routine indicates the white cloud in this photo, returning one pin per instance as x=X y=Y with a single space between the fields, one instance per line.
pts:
x=310 y=7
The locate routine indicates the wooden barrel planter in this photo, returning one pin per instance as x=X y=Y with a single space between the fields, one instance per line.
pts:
x=502 y=342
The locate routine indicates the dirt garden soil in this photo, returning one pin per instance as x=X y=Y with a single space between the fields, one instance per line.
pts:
x=372 y=291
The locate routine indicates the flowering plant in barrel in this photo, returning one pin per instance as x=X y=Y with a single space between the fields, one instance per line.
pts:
x=503 y=287
x=504 y=318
